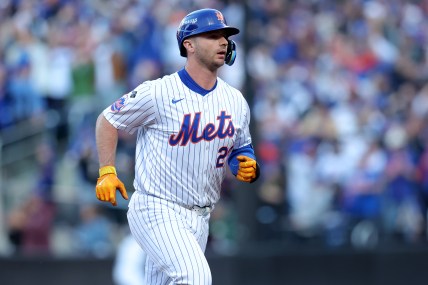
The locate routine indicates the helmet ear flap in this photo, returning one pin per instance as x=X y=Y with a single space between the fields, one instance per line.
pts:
x=230 y=53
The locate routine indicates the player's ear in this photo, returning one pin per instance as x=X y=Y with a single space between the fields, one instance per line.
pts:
x=189 y=45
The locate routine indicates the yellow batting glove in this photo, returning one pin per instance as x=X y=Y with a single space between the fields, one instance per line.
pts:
x=247 y=171
x=107 y=184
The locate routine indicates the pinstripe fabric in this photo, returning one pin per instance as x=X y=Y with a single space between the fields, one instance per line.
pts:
x=183 y=142
x=173 y=237
x=190 y=174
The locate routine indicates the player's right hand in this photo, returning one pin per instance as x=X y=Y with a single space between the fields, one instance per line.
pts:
x=107 y=184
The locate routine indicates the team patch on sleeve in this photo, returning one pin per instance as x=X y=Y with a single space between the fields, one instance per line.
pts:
x=119 y=104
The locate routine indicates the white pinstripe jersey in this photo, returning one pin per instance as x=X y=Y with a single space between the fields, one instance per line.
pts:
x=184 y=138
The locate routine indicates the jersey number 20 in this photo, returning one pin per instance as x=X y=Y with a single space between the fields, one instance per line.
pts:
x=222 y=153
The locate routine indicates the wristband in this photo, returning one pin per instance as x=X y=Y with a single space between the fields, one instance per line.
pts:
x=107 y=170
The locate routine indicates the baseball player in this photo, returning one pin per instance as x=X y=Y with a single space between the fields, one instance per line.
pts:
x=190 y=125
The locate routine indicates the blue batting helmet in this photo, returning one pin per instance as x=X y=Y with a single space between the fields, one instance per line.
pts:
x=201 y=21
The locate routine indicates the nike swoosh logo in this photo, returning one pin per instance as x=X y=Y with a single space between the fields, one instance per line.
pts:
x=174 y=101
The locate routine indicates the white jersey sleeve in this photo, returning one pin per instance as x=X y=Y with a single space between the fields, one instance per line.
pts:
x=243 y=137
x=133 y=110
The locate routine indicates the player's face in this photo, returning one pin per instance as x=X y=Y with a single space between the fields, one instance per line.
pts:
x=211 y=49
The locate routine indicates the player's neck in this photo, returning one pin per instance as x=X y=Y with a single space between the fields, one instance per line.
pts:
x=202 y=76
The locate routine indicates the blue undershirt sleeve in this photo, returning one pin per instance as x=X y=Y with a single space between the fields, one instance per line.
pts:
x=234 y=163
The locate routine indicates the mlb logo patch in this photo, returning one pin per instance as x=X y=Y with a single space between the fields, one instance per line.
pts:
x=119 y=104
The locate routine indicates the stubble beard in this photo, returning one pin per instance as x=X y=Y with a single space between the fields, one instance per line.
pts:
x=211 y=64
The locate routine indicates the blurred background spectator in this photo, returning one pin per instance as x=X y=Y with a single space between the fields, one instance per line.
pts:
x=129 y=263
x=339 y=99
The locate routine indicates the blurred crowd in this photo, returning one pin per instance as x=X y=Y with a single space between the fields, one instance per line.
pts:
x=339 y=98
x=341 y=105
x=61 y=63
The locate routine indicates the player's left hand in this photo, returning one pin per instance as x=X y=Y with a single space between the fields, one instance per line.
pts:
x=247 y=171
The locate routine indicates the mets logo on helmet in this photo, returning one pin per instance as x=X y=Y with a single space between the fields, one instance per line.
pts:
x=119 y=104
x=220 y=16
